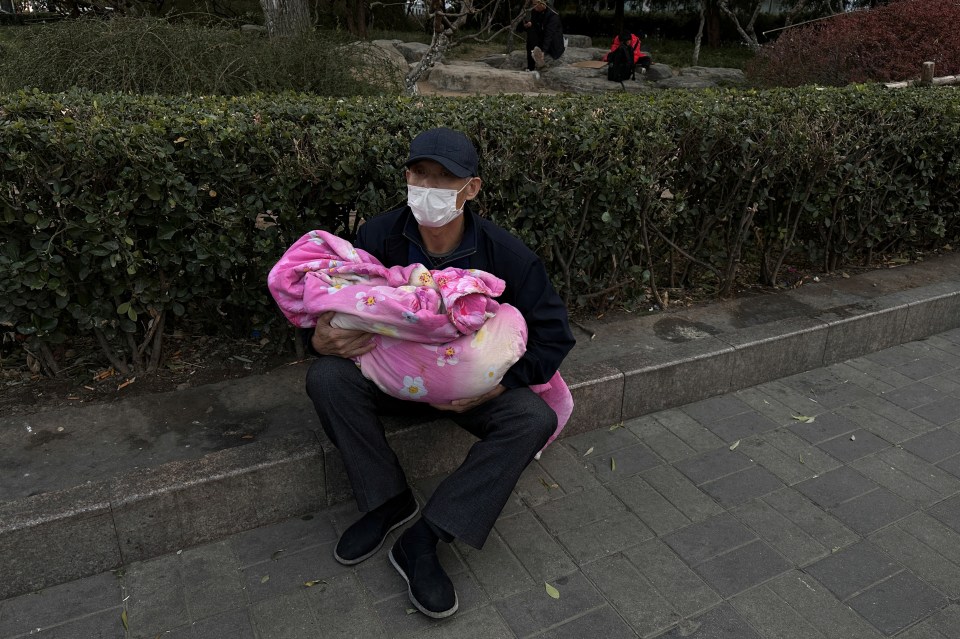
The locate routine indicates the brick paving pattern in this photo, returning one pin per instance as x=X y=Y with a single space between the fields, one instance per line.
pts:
x=822 y=505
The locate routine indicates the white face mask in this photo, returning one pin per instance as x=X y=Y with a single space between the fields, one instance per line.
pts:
x=433 y=207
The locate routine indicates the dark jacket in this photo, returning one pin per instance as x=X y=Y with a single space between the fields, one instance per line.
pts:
x=545 y=32
x=394 y=239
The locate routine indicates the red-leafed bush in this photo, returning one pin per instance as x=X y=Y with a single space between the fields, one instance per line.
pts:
x=883 y=44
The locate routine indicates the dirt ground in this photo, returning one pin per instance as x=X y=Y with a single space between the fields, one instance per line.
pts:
x=189 y=360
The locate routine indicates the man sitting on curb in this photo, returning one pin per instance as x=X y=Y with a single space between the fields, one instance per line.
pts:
x=512 y=423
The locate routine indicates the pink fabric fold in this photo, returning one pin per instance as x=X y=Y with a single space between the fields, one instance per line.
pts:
x=440 y=335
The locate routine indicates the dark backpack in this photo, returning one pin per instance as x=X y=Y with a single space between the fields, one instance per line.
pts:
x=620 y=65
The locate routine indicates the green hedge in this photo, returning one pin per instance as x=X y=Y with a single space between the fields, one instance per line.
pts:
x=122 y=214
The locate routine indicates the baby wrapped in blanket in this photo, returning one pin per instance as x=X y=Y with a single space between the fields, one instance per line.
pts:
x=439 y=335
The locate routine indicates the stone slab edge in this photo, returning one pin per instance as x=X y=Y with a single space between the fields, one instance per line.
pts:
x=84 y=530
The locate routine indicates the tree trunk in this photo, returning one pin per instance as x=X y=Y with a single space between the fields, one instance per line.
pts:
x=699 y=38
x=286 y=17
x=748 y=34
x=713 y=24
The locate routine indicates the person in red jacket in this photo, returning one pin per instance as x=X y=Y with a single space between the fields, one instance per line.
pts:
x=633 y=41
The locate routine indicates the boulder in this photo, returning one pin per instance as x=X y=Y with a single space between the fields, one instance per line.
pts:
x=413 y=51
x=495 y=60
x=581 y=41
x=481 y=78
x=569 y=79
x=658 y=72
x=387 y=50
x=515 y=60
x=577 y=54
x=504 y=73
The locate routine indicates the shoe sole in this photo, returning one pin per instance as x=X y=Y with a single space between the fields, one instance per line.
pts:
x=435 y=615
x=353 y=562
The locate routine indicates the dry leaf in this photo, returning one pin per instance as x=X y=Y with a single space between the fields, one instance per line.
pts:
x=734 y=444
x=265 y=221
x=314 y=582
x=804 y=418
x=264 y=579
x=126 y=383
x=123 y=619
x=613 y=464
x=801 y=458
x=589 y=450
x=180 y=140
x=410 y=611
x=616 y=426
x=553 y=592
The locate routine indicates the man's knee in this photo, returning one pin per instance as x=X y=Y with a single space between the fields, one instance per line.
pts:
x=540 y=421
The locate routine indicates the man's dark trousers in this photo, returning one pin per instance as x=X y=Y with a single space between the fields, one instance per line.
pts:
x=511 y=428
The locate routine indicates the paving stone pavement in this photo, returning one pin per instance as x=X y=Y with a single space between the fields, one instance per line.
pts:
x=822 y=505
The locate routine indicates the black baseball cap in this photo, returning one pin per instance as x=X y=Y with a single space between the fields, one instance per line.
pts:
x=450 y=148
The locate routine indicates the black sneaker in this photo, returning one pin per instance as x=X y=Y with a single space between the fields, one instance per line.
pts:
x=428 y=586
x=365 y=536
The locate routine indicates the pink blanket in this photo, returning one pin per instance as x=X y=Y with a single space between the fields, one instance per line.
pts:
x=439 y=335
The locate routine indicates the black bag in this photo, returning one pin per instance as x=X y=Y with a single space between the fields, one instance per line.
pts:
x=620 y=65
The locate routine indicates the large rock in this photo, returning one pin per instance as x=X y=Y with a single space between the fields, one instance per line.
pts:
x=495 y=60
x=413 y=51
x=475 y=77
x=518 y=59
x=504 y=73
x=581 y=41
x=577 y=54
x=387 y=50
x=658 y=71
x=569 y=79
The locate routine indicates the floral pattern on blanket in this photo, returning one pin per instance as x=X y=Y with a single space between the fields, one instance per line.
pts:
x=440 y=335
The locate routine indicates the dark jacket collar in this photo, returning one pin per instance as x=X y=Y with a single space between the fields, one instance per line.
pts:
x=411 y=233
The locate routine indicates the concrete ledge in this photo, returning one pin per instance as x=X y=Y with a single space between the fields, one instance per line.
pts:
x=635 y=367
x=68 y=534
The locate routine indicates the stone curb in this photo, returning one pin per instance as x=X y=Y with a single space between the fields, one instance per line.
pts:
x=72 y=533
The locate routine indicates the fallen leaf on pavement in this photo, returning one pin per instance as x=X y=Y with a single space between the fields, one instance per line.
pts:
x=735 y=444
x=804 y=418
x=589 y=450
x=553 y=592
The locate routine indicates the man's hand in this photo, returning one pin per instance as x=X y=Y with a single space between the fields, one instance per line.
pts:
x=342 y=342
x=463 y=405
